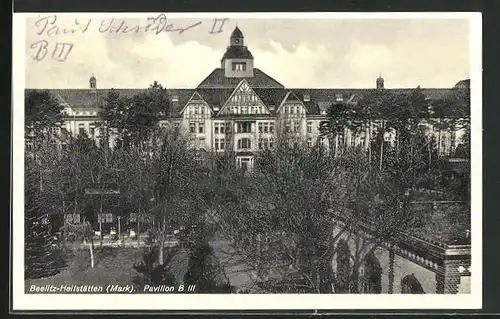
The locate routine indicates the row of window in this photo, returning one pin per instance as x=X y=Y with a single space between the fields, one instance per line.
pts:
x=196 y=110
x=244 y=98
x=194 y=125
x=266 y=127
x=222 y=128
x=292 y=127
x=81 y=130
x=245 y=109
x=221 y=144
x=293 y=109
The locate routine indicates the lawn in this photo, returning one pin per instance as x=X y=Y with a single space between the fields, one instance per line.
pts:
x=112 y=266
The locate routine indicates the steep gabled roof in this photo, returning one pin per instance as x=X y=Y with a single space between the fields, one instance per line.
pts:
x=290 y=97
x=237 y=33
x=271 y=97
x=217 y=79
x=215 y=97
x=195 y=97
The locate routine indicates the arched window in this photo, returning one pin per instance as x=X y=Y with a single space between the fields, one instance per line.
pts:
x=244 y=143
x=343 y=273
x=372 y=279
x=411 y=285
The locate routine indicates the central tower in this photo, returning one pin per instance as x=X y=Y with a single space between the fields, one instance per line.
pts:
x=237 y=62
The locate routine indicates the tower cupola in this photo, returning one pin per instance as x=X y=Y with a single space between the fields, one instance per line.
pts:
x=380 y=82
x=237 y=61
x=93 y=82
x=237 y=37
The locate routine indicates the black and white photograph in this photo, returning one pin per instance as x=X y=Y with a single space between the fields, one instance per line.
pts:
x=248 y=160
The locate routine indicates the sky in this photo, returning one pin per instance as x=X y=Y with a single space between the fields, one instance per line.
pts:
x=298 y=53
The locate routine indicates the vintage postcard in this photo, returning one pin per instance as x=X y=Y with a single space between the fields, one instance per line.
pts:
x=173 y=161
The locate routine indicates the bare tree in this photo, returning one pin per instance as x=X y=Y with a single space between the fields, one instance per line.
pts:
x=176 y=168
x=299 y=203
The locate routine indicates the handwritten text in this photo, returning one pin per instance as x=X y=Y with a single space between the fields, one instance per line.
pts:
x=50 y=27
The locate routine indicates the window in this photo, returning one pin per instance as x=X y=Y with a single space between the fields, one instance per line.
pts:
x=244 y=127
x=296 y=127
x=309 y=142
x=216 y=128
x=287 y=128
x=201 y=127
x=309 y=127
x=216 y=144
x=196 y=110
x=239 y=66
x=92 y=131
x=192 y=127
x=202 y=110
x=260 y=127
x=271 y=142
x=271 y=127
x=260 y=143
x=228 y=128
x=81 y=129
x=244 y=143
x=266 y=127
x=222 y=144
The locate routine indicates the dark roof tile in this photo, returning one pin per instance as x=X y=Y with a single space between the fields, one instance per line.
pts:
x=237 y=52
x=271 y=97
x=217 y=79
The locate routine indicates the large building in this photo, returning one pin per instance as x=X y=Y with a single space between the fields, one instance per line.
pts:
x=239 y=106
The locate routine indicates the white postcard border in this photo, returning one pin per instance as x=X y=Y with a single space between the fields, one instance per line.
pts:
x=23 y=301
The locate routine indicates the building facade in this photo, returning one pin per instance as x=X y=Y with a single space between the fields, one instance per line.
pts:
x=240 y=107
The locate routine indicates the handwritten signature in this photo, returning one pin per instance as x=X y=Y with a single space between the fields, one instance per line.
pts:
x=48 y=26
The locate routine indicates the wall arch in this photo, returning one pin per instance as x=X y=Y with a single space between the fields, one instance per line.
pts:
x=411 y=285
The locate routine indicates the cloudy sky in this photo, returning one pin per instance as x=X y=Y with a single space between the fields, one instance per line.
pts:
x=322 y=53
